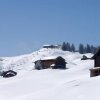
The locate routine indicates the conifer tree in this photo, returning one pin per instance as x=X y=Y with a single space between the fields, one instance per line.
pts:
x=72 y=48
x=81 y=48
x=68 y=46
x=88 y=49
x=64 y=47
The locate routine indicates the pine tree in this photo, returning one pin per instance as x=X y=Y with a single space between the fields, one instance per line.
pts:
x=64 y=46
x=72 y=48
x=88 y=49
x=85 y=49
x=81 y=48
x=68 y=46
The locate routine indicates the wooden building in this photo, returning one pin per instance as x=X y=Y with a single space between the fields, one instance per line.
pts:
x=96 y=70
x=85 y=58
x=52 y=46
x=44 y=64
x=96 y=59
x=51 y=63
x=60 y=63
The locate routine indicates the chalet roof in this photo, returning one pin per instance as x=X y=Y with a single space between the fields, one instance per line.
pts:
x=51 y=58
x=96 y=54
x=95 y=68
x=45 y=60
x=51 y=45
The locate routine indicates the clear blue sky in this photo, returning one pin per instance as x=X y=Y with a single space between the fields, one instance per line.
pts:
x=25 y=25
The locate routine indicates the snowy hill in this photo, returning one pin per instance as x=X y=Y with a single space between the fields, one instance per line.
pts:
x=27 y=61
x=72 y=84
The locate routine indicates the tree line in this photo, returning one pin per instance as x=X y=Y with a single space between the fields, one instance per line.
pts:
x=66 y=46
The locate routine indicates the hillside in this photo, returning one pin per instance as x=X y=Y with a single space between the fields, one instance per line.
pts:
x=73 y=83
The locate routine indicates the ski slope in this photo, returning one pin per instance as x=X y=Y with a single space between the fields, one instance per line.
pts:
x=73 y=83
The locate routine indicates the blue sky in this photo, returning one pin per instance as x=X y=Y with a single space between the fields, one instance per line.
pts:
x=25 y=25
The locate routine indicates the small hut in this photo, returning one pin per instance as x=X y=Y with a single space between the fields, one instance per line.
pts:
x=96 y=59
x=52 y=46
x=58 y=63
x=96 y=70
x=44 y=64
x=85 y=57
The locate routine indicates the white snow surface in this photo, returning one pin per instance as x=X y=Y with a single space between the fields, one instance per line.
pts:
x=73 y=83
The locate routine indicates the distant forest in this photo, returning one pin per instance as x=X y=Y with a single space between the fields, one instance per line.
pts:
x=66 y=46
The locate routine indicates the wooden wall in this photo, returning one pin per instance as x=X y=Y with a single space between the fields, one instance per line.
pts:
x=97 y=61
x=47 y=63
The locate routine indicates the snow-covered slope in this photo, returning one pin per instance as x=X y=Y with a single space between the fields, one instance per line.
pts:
x=27 y=61
x=72 y=84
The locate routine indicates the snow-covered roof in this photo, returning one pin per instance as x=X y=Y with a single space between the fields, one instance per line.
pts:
x=95 y=68
x=49 y=57
x=51 y=45
x=46 y=45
